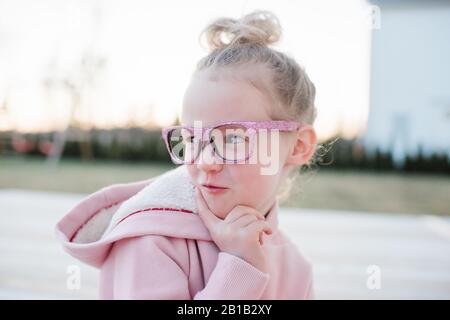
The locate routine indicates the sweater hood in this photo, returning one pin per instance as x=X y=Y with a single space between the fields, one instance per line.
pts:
x=162 y=206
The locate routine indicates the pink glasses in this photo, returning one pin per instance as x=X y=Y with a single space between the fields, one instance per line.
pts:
x=232 y=142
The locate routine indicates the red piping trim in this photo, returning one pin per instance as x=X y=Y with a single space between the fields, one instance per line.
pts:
x=141 y=211
x=154 y=209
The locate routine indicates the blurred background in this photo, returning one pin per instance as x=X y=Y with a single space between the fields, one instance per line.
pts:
x=85 y=87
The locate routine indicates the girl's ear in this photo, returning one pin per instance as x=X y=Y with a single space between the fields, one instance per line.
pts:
x=304 y=146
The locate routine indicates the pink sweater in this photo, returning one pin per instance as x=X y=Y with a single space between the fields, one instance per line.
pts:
x=160 y=254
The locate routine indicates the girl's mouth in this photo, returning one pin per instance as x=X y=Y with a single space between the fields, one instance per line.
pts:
x=214 y=189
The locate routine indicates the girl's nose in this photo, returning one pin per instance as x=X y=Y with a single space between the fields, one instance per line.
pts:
x=207 y=160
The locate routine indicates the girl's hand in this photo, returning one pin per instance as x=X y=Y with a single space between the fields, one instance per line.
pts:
x=240 y=234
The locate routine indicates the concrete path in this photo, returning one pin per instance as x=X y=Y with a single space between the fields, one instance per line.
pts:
x=355 y=255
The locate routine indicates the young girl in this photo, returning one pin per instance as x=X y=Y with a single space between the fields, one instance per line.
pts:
x=220 y=239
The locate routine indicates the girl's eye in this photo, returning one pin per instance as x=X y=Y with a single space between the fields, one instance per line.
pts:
x=232 y=138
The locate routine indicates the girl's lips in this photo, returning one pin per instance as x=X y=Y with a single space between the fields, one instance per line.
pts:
x=212 y=186
x=214 y=189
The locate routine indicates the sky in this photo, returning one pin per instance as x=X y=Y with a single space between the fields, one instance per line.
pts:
x=150 y=49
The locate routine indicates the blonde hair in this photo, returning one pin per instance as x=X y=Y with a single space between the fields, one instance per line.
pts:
x=245 y=41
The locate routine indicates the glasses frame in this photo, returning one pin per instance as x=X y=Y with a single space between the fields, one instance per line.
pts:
x=251 y=126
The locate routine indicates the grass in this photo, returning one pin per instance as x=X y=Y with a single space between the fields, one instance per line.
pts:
x=325 y=189
x=375 y=191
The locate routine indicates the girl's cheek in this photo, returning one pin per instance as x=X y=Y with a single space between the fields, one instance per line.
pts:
x=247 y=179
x=192 y=172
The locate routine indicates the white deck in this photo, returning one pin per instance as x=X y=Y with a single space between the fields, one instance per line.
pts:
x=412 y=252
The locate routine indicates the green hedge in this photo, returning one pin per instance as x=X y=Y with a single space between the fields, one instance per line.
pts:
x=138 y=144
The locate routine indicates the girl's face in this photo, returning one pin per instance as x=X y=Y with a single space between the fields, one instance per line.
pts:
x=213 y=99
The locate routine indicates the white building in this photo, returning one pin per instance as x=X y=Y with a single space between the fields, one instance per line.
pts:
x=410 y=79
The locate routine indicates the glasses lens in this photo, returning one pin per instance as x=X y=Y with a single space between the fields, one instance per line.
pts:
x=232 y=142
x=182 y=144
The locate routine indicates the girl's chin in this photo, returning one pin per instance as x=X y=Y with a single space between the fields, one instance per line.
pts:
x=220 y=208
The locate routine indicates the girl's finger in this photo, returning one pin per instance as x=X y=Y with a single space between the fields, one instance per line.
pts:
x=204 y=212
x=240 y=210
x=259 y=226
x=244 y=221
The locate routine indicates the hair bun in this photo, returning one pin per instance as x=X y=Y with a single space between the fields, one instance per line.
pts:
x=258 y=27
